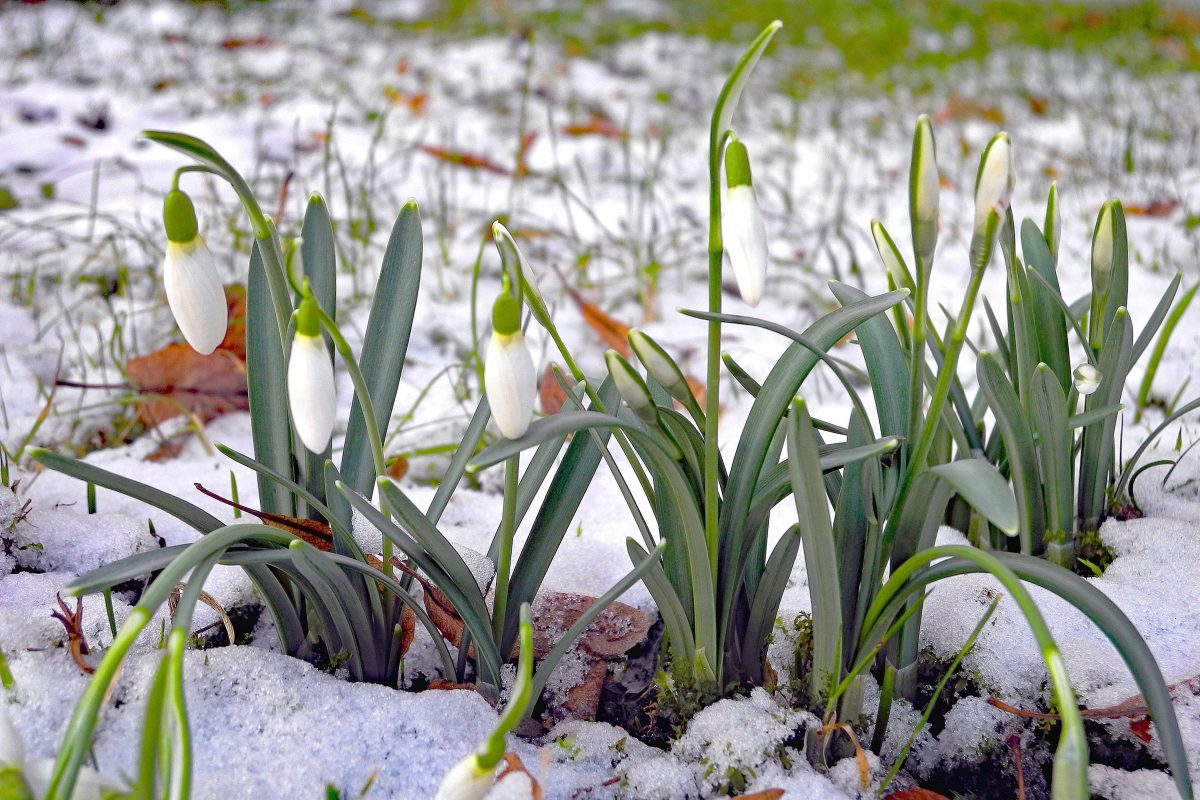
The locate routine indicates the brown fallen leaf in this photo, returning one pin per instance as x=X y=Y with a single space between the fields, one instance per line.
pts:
x=175 y=379
x=597 y=125
x=612 y=331
x=960 y=108
x=513 y=763
x=1161 y=207
x=460 y=158
x=551 y=396
x=860 y=755
x=397 y=468
x=312 y=531
x=916 y=794
x=235 y=43
x=765 y=794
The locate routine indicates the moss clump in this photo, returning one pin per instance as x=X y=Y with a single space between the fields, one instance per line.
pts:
x=1090 y=549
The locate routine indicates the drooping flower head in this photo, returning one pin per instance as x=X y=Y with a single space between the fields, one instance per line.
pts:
x=312 y=396
x=508 y=375
x=742 y=230
x=193 y=287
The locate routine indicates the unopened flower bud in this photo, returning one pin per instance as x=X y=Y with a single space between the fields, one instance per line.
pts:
x=924 y=191
x=660 y=366
x=1102 y=250
x=889 y=254
x=994 y=182
x=631 y=387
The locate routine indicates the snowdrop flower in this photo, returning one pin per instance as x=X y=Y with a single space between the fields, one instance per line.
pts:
x=1102 y=250
x=194 y=289
x=311 y=393
x=466 y=781
x=508 y=377
x=1087 y=379
x=631 y=387
x=742 y=229
x=924 y=191
x=994 y=183
x=21 y=779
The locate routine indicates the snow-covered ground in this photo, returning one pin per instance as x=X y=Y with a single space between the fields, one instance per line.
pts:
x=614 y=201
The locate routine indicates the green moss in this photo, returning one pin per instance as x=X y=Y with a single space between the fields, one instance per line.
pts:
x=1090 y=548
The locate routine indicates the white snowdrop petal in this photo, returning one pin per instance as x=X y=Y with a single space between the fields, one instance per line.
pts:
x=510 y=383
x=195 y=294
x=745 y=240
x=466 y=781
x=1087 y=379
x=312 y=396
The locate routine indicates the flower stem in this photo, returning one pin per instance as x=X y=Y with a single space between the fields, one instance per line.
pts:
x=508 y=529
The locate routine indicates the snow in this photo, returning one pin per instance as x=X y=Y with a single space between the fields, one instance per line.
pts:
x=825 y=165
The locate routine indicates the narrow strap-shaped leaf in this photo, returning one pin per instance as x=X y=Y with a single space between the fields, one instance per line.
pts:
x=458 y=462
x=320 y=269
x=562 y=500
x=1097 y=454
x=820 y=553
x=270 y=427
x=886 y=364
x=769 y=408
x=679 y=630
x=765 y=603
x=1123 y=484
x=1157 y=316
x=1143 y=396
x=1019 y=446
x=1055 y=448
x=182 y=510
x=1053 y=348
x=1118 y=292
x=465 y=598
x=385 y=346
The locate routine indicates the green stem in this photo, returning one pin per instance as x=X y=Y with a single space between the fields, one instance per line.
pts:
x=712 y=381
x=508 y=529
x=189 y=168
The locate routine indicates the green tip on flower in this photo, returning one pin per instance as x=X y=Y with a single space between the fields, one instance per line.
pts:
x=506 y=315
x=179 y=217
x=308 y=320
x=737 y=165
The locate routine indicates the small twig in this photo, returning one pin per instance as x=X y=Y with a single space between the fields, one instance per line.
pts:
x=1014 y=744
x=208 y=600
